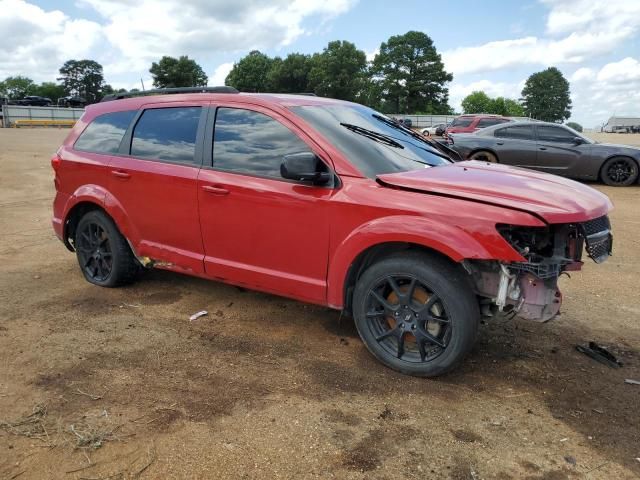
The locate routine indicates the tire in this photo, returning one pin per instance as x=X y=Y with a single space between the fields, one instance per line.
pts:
x=441 y=314
x=619 y=172
x=484 y=156
x=104 y=255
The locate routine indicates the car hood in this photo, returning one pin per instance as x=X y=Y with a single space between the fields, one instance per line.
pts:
x=552 y=198
x=628 y=149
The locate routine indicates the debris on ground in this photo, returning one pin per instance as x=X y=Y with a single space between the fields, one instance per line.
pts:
x=600 y=354
x=569 y=459
x=630 y=381
x=31 y=426
x=197 y=315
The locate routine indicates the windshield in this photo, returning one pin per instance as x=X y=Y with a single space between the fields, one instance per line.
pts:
x=375 y=144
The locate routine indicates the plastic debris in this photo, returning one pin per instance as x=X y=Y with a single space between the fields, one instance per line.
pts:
x=600 y=354
x=196 y=316
x=630 y=381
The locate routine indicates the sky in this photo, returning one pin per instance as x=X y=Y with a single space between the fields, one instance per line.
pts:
x=488 y=45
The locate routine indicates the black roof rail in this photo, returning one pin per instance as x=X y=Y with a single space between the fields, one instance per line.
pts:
x=167 y=91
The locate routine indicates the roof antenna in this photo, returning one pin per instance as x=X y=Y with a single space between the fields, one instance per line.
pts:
x=142 y=84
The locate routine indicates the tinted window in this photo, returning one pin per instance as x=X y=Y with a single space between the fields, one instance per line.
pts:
x=105 y=132
x=251 y=142
x=373 y=143
x=521 y=132
x=549 y=133
x=487 y=122
x=167 y=134
x=461 y=122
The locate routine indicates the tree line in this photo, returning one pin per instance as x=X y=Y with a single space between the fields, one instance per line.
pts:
x=406 y=76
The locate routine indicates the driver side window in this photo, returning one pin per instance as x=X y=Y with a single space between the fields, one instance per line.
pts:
x=252 y=143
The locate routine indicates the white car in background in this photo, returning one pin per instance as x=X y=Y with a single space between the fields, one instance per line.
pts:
x=437 y=129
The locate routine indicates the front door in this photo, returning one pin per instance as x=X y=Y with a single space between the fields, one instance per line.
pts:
x=259 y=229
x=558 y=152
x=153 y=181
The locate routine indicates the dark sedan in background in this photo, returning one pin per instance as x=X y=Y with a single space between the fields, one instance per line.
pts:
x=551 y=148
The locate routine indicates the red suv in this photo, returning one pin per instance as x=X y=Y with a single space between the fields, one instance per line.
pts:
x=471 y=123
x=327 y=202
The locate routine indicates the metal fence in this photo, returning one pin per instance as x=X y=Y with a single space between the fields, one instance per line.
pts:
x=16 y=113
x=423 y=121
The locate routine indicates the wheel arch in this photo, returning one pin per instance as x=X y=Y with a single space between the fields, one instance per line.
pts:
x=73 y=217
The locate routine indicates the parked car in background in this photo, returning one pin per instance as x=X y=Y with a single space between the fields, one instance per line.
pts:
x=72 y=102
x=471 y=123
x=34 y=101
x=551 y=148
x=327 y=202
x=437 y=129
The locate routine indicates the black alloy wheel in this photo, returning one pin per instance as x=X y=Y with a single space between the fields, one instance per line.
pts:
x=416 y=313
x=619 y=172
x=104 y=255
x=94 y=251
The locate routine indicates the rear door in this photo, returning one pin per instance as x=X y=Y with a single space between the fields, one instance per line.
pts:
x=153 y=181
x=516 y=145
x=558 y=152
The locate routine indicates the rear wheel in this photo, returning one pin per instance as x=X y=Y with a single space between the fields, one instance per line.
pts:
x=484 y=156
x=619 y=172
x=416 y=314
x=103 y=253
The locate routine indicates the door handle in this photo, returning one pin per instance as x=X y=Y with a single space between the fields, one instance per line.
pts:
x=543 y=148
x=120 y=174
x=215 y=190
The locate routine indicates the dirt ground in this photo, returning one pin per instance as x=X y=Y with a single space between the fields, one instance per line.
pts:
x=118 y=383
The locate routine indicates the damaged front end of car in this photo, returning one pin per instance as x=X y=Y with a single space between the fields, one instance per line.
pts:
x=529 y=289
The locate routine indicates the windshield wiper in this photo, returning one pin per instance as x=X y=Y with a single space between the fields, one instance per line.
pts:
x=378 y=137
x=440 y=150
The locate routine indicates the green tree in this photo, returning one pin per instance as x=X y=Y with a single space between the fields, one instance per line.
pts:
x=411 y=74
x=290 y=75
x=172 y=72
x=340 y=71
x=251 y=73
x=16 y=87
x=83 y=78
x=51 y=90
x=513 y=108
x=477 y=102
x=576 y=126
x=545 y=96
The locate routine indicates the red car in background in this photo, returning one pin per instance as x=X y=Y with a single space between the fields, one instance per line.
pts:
x=327 y=202
x=471 y=123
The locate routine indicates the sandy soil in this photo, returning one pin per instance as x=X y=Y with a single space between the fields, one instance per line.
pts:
x=100 y=383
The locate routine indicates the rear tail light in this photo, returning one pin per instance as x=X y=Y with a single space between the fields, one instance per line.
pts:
x=56 y=160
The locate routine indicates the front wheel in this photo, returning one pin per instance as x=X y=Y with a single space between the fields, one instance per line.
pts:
x=416 y=313
x=619 y=172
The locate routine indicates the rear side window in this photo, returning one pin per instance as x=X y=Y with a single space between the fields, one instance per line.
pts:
x=252 y=143
x=548 y=133
x=488 y=122
x=462 y=122
x=167 y=134
x=105 y=132
x=520 y=132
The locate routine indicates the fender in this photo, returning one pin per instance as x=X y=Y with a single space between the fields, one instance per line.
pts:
x=101 y=196
x=450 y=240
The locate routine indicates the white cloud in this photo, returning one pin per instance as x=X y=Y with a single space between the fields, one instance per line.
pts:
x=36 y=43
x=145 y=30
x=578 y=30
x=371 y=55
x=219 y=74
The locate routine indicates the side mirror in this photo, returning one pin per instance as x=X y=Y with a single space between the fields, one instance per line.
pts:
x=304 y=167
x=578 y=140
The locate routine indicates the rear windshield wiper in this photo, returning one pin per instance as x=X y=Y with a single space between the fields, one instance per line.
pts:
x=378 y=137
